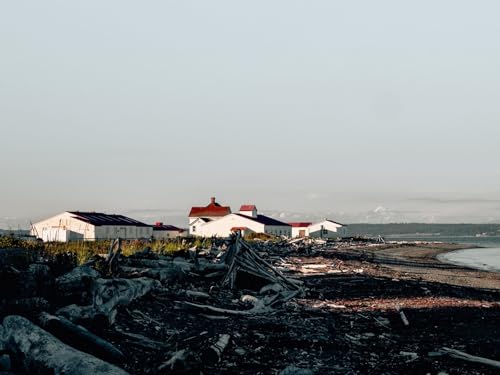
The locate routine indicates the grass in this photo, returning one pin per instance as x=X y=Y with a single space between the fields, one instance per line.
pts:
x=79 y=252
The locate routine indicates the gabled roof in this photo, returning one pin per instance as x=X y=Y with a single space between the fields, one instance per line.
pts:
x=99 y=218
x=300 y=224
x=202 y=219
x=334 y=222
x=213 y=209
x=248 y=207
x=266 y=220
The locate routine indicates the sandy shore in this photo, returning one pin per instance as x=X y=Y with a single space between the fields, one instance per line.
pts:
x=419 y=262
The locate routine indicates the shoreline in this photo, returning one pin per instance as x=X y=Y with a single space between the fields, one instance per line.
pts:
x=420 y=261
x=447 y=258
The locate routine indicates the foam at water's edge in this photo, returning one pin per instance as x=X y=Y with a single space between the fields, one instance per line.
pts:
x=487 y=259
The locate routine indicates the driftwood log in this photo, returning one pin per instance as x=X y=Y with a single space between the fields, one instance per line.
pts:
x=213 y=354
x=24 y=282
x=163 y=274
x=76 y=285
x=108 y=294
x=79 y=337
x=292 y=370
x=180 y=362
x=24 y=306
x=453 y=353
x=43 y=353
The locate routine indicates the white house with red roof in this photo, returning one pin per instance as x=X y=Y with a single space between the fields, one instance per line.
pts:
x=300 y=229
x=247 y=220
x=199 y=216
x=322 y=229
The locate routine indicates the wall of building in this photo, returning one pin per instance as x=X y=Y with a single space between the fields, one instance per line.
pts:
x=326 y=229
x=296 y=231
x=64 y=227
x=222 y=227
x=126 y=232
x=167 y=234
x=55 y=227
x=276 y=230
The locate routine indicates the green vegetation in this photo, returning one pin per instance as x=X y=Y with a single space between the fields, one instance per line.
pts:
x=79 y=252
x=11 y=242
x=261 y=236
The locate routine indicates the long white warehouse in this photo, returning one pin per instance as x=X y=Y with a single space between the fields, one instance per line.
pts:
x=89 y=226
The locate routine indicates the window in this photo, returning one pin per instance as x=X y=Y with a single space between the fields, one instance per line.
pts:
x=194 y=228
x=325 y=231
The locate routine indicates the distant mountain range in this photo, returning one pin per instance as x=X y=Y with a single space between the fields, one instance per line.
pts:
x=378 y=215
x=423 y=229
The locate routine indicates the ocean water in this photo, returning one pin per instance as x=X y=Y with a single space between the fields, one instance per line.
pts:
x=485 y=257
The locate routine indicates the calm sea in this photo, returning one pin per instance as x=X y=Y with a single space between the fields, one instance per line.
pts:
x=485 y=257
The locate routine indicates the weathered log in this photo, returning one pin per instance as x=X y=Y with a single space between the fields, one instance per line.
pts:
x=24 y=306
x=76 y=285
x=5 y=363
x=197 y=295
x=292 y=370
x=113 y=257
x=40 y=351
x=213 y=354
x=403 y=317
x=156 y=263
x=470 y=358
x=79 y=337
x=161 y=274
x=108 y=294
x=138 y=339
x=211 y=309
x=23 y=283
x=180 y=362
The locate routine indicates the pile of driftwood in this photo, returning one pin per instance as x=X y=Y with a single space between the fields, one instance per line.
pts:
x=53 y=323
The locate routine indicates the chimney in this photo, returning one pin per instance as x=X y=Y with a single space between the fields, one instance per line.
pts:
x=158 y=224
x=212 y=200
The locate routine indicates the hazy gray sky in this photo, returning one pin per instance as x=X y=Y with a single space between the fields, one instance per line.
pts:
x=335 y=106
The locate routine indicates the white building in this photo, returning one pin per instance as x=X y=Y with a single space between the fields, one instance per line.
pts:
x=323 y=229
x=327 y=229
x=76 y=225
x=199 y=216
x=300 y=229
x=246 y=221
x=162 y=231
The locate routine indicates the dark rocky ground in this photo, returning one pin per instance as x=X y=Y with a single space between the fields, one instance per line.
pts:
x=347 y=323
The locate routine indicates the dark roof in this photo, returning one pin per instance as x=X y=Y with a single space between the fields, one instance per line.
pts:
x=167 y=227
x=266 y=220
x=213 y=209
x=99 y=218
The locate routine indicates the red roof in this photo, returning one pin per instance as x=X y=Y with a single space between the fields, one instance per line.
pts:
x=300 y=225
x=248 y=207
x=214 y=209
x=234 y=229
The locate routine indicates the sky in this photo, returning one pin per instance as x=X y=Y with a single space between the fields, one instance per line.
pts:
x=368 y=111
